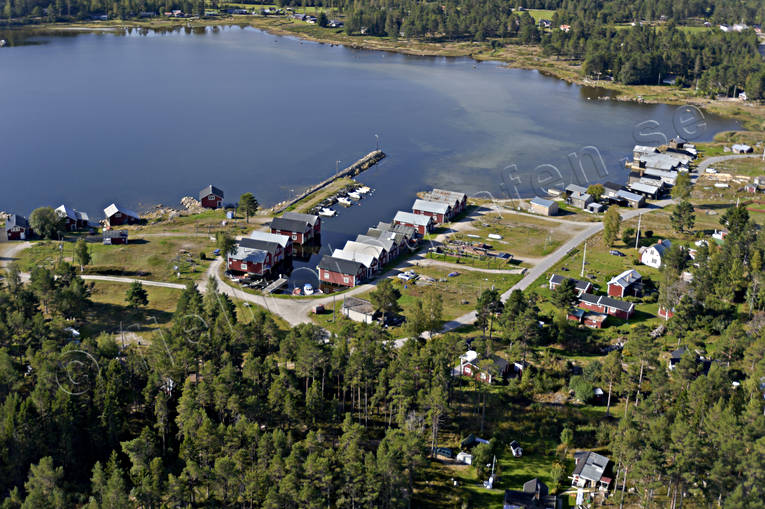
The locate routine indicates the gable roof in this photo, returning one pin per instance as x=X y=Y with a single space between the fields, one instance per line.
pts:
x=443 y=194
x=113 y=209
x=339 y=265
x=612 y=186
x=629 y=196
x=289 y=225
x=626 y=278
x=263 y=245
x=407 y=231
x=644 y=188
x=662 y=246
x=590 y=465
x=360 y=247
x=365 y=259
x=535 y=494
x=385 y=241
x=115 y=234
x=211 y=189
x=578 y=283
x=410 y=218
x=247 y=254
x=282 y=240
x=385 y=235
x=542 y=202
x=573 y=188
x=308 y=218
x=589 y=298
x=64 y=211
x=612 y=303
x=359 y=305
x=434 y=207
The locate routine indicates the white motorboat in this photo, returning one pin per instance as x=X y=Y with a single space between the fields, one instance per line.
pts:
x=344 y=201
x=327 y=212
x=354 y=195
x=363 y=190
x=308 y=289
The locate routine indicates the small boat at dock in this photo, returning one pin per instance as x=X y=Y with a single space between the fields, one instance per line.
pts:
x=327 y=212
x=308 y=289
x=344 y=201
x=354 y=196
x=363 y=190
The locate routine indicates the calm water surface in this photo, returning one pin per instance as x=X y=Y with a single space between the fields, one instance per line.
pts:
x=147 y=118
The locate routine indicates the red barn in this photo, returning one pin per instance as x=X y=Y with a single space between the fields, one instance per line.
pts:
x=336 y=271
x=298 y=230
x=283 y=240
x=17 y=227
x=211 y=197
x=457 y=201
x=272 y=248
x=116 y=216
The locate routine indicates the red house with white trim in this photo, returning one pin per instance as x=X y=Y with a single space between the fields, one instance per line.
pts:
x=441 y=212
x=421 y=223
x=17 y=227
x=607 y=305
x=116 y=216
x=340 y=272
x=250 y=261
x=311 y=219
x=628 y=282
x=211 y=197
x=298 y=230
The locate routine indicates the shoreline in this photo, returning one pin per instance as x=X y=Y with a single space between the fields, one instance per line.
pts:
x=750 y=116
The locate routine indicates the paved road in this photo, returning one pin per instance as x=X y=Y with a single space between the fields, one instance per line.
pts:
x=547 y=263
x=709 y=161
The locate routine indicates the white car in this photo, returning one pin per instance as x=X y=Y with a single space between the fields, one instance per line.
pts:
x=407 y=276
x=710 y=170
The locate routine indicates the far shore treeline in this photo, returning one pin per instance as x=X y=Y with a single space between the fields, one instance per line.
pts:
x=672 y=45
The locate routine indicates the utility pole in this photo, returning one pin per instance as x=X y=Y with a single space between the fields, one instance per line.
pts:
x=637 y=237
x=584 y=257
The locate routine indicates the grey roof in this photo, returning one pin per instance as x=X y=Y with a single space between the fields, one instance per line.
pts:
x=589 y=298
x=282 y=240
x=407 y=231
x=410 y=218
x=249 y=255
x=578 y=283
x=359 y=305
x=289 y=225
x=339 y=265
x=16 y=220
x=626 y=278
x=210 y=190
x=573 y=188
x=263 y=245
x=644 y=149
x=629 y=196
x=64 y=211
x=113 y=209
x=434 y=207
x=445 y=194
x=662 y=246
x=535 y=494
x=612 y=186
x=590 y=465
x=678 y=354
x=616 y=304
x=644 y=188
x=308 y=218
x=386 y=242
x=113 y=234
x=542 y=202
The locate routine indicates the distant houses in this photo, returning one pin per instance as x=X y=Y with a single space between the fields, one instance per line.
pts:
x=470 y=367
x=17 y=227
x=116 y=216
x=211 y=197
x=73 y=219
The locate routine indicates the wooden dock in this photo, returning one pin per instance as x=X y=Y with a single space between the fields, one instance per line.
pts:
x=362 y=164
x=276 y=285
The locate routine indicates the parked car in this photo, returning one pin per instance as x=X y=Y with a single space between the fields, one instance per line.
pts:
x=711 y=170
x=614 y=252
x=408 y=275
x=515 y=447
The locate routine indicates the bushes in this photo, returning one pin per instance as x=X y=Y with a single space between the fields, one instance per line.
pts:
x=583 y=390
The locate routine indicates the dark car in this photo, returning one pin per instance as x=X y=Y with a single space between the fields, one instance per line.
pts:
x=614 y=252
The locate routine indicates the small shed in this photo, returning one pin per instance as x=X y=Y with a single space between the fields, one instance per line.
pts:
x=112 y=237
x=358 y=310
x=543 y=207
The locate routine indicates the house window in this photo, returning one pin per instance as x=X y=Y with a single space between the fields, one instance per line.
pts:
x=467 y=370
x=483 y=376
x=345 y=279
x=294 y=236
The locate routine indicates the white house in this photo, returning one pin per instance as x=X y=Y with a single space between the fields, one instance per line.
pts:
x=653 y=255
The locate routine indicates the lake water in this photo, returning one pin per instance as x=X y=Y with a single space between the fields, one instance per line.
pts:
x=146 y=118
